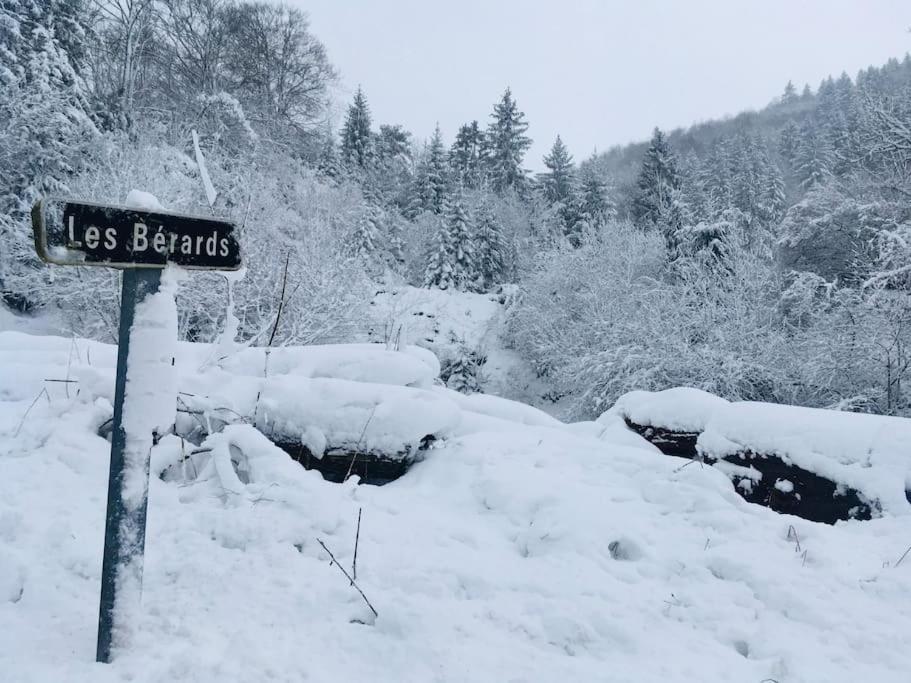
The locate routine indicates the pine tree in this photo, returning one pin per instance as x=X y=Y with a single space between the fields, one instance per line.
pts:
x=491 y=247
x=366 y=237
x=788 y=141
x=673 y=225
x=452 y=260
x=595 y=205
x=356 y=135
x=657 y=181
x=329 y=164
x=559 y=180
x=506 y=144
x=466 y=155
x=789 y=96
x=438 y=272
x=391 y=172
x=393 y=145
x=813 y=159
x=462 y=372
x=431 y=182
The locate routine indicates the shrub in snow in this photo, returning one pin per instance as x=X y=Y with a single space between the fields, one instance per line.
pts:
x=462 y=373
x=609 y=318
x=285 y=214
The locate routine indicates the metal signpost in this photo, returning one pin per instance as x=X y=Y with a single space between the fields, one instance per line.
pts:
x=141 y=243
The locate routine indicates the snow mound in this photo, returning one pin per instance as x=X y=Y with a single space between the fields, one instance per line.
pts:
x=870 y=453
x=680 y=409
x=411 y=366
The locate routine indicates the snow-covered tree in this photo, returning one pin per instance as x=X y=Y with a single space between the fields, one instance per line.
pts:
x=330 y=163
x=595 y=205
x=558 y=183
x=451 y=264
x=789 y=96
x=44 y=111
x=357 y=138
x=658 y=179
x=466 y=158
x=492 y=251
x=506 y=144
x=431 y=181
x=813 y=157
x=366 y=236
x=461 y=371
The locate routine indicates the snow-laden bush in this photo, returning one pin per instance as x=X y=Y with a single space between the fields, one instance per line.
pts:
x=608 y=318
x=287 y=216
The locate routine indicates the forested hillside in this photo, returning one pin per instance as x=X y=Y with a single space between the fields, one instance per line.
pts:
x=764 y=257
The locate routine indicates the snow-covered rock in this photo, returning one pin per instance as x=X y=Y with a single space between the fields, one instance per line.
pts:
x=870 y=453
x=681 y=409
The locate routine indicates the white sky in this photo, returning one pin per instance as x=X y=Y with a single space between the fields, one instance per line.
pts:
x=599 y=73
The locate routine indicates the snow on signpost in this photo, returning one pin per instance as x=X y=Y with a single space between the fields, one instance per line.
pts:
x=144 y=241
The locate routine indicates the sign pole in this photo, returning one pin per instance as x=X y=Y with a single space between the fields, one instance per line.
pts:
x=124 y=532
x=141 y=240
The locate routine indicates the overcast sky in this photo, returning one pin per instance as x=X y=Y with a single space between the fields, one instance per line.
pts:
x=598 y=72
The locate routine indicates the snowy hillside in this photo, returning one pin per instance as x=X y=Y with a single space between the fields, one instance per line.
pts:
x=454 y=324
x=518 y=549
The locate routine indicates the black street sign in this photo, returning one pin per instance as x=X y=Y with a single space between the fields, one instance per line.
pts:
x=87 y=234
x=71 y=233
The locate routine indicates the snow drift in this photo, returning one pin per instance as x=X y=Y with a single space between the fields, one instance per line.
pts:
x=519 y=549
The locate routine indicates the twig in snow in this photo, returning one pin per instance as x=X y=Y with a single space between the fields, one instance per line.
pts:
x=22 y=421
x=69 y=361
x=357 y=537
x=281 y=301
x=792 y=536
x=690 y=462
x=278 y=317
x=342 y=570
x=358 y=445
x=904 y=555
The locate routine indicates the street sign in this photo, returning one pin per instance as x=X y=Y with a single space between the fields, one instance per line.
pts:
x=141 y=242
x=77 y=233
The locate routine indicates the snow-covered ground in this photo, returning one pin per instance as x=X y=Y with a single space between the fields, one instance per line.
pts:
x=450 y=322
x=520 y=549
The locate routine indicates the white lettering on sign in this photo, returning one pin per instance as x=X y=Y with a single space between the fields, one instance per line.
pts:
x=160 y=243
x=145 y=238
x=92 y=237
x=140 y=241
x=73 y=242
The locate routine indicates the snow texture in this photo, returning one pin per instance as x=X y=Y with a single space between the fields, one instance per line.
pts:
x=520 y=549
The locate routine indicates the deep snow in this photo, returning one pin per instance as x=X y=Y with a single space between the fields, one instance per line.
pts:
x=520 y=549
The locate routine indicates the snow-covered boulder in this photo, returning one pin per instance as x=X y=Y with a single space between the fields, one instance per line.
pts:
x=867 y=453
x=822 y=465
x=681 y=409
